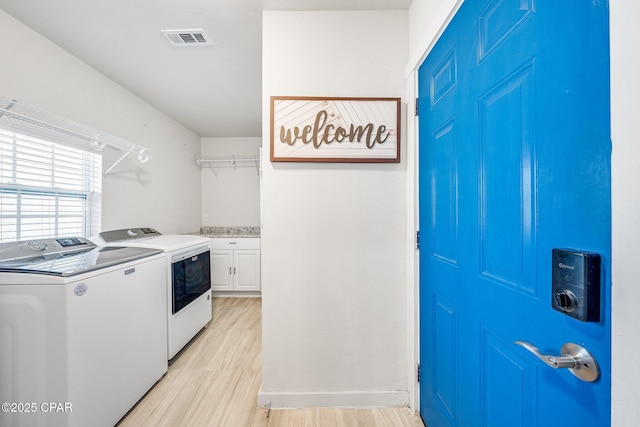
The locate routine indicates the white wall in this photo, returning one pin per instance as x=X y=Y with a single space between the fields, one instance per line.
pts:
x=163 y=193
x=230 y=194
x=625 y=167
x=334 y=235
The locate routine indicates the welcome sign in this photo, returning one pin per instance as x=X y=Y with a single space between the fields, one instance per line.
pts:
x=350 y=130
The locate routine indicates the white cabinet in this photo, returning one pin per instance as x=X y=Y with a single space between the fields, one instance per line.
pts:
x=235 y=264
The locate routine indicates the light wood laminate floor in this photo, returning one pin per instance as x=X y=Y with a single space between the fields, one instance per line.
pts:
x=215 y=382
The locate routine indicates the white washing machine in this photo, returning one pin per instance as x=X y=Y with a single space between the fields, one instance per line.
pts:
x=188 y=278
x=82 y=331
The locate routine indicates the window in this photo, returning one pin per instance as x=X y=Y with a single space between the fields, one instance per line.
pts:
x=47 y=189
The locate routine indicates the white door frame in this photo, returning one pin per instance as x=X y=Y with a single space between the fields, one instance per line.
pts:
x=441 y=19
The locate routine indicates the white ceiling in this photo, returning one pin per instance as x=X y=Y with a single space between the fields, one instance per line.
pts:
x=212 y=90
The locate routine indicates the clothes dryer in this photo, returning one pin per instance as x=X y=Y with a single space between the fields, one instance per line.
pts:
x=188 y=286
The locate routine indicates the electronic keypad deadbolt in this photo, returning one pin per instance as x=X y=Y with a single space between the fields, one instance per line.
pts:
x=575 y=284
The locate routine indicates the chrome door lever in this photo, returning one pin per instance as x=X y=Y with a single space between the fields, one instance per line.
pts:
x=574 y=357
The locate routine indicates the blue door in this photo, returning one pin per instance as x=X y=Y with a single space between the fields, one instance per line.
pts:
x=514 y=162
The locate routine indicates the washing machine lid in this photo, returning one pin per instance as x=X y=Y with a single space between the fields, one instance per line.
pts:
x=150 y=238
x=65 y=256
x=128 y=234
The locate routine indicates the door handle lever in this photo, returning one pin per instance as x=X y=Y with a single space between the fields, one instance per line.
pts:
x=574 y=357
x=555 y=362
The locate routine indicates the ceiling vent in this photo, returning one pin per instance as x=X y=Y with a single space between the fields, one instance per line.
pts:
x=193 y=37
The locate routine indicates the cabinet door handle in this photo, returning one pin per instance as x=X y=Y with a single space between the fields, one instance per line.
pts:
x=229 y=270
x=234 y=270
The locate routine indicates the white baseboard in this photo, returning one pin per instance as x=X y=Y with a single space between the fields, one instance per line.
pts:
x=237 y=294
x=337 y=399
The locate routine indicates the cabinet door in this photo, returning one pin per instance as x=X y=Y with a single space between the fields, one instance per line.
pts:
x=247 y=270
x=222 y=270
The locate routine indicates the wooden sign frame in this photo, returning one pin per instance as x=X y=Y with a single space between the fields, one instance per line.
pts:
x=337 y=130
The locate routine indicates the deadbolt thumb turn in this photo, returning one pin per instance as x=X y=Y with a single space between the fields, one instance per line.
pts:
x=576 y=358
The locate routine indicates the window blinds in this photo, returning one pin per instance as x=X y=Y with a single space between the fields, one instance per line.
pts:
x=47 y=189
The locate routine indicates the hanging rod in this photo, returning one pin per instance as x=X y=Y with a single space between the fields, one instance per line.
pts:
x=233 y=161
x=98 y=142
